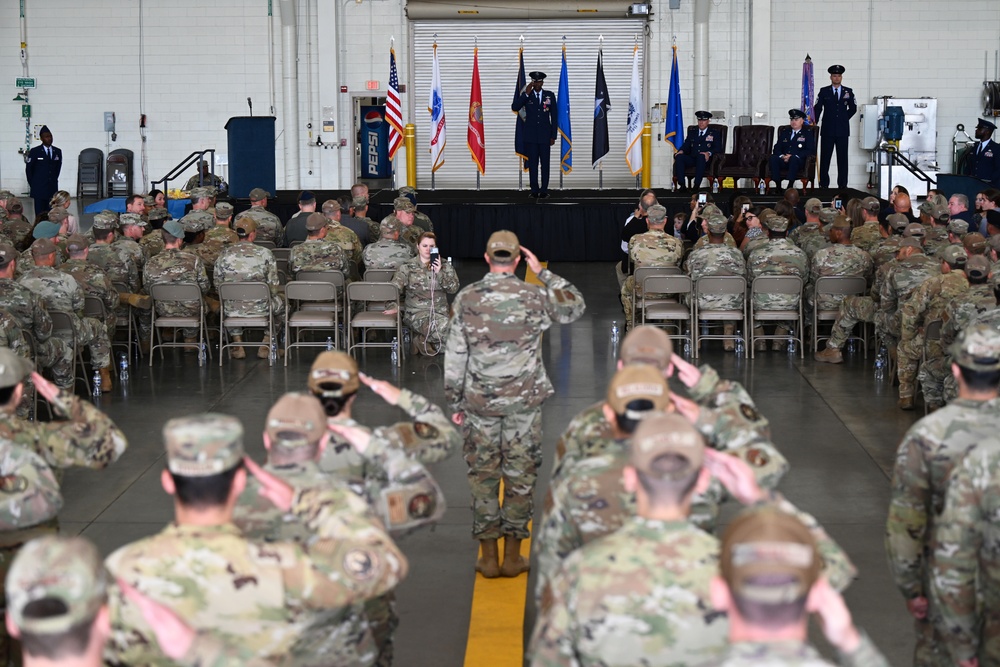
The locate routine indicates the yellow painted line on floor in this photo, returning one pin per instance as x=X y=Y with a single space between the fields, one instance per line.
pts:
x=496 y=623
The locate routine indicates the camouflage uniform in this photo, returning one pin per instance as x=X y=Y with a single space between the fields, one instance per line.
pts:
x=374 y=233
x=221 y=234
x=804 y=231
x=653 y=248
x=243 y=262
x=837 y=260
x=925 y=305
x=209 y=252
x=777 y=257
x=30 y=313
x=130 y=250
x=716 y=260
x=425 y=308
x=797 y=654
x=988 y=317
x=814 y=243
x=59 y=291
x=349 y=243
x=197 y=220
x=638 y=596
x=935 y=374
x=704 y=241
x=887 y=251
x=269 y=227
x=422 y=221
x=318 y=255
x=935 y=240
x=868 y=236
x=151 y=244
x=95 y=283
x=924 y=461
x=172 y=267
x=964 y=575
x=410 y=234
x=494 y=375
x=26 y=261
x=18 y=231
x=899 y=284
x=387 y=254
x=119 y=270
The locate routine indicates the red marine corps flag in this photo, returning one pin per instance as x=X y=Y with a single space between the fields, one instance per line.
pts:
x=476 y=136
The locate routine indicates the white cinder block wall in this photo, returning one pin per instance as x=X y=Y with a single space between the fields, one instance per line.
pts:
x=198 y=61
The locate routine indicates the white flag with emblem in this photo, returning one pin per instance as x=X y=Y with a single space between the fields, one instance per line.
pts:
x=633 y=137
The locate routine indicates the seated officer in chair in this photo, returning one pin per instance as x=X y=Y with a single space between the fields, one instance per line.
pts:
x=794 y=147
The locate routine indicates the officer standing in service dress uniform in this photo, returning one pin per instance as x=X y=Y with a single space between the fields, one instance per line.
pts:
x=538 y=109
x=839 y=105
x=983 y=159
x=794 y=146
x=699 y=146
x=42 y=167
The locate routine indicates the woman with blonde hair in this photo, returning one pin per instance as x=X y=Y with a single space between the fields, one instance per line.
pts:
x=62 y=198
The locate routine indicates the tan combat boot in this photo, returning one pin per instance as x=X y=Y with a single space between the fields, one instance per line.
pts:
x=265 y=348
x=140 y=301
x=513 y=562
x=488 y=564
x=779 y=344
x=237 y=352
x=905 y=396
x=830 y=355
x=192 y=345
x=106 y=378
x=728 y=330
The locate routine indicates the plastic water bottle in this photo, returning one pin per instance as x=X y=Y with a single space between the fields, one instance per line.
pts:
x=881 y=362
x=687 y=347
x=715 y=185
x=615 y=331
x=673 y=186
x=851 y=346
x=97 y=382
x=395 y=351
x=329 y=343
x=202 y=354
x=791 y=344
x=449 y=261
x=123 y=367
x=763 y=188
x=740 y=347
x=272 y=354
x=406 y=337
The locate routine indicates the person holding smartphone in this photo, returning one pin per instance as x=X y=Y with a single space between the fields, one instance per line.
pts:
x=424 y=283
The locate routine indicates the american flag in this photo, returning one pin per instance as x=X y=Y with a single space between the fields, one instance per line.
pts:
x=393 y=114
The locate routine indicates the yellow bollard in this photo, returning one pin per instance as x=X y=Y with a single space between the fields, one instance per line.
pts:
x=410 y=139
x=647 y=155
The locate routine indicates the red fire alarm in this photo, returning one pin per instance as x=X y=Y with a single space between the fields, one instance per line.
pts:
x=343 y=89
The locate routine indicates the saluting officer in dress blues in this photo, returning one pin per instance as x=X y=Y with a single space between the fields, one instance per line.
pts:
x=42 y=167
x=538 y=109
x=983 y=159
x=699 y=146
x=794 y=146
x=840 y=106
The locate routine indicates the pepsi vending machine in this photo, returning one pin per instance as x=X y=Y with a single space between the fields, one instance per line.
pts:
x=375 y=161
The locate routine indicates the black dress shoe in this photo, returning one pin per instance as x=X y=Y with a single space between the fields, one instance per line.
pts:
x=543 y=195
x=533 y=195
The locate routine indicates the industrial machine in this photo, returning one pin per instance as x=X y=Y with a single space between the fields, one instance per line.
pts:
x=901 y=134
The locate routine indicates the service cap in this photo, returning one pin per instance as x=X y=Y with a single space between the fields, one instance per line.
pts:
x=503 y=245
x=259 y=193
x=977 y=348
x=316 y=222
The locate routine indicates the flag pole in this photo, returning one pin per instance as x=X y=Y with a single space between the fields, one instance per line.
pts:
x=392 y=162
x=432 y=131
x=520 y=162
x=560 y=143
x=475 y=41
x=600 y=165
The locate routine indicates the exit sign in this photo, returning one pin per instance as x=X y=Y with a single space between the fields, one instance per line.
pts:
x=371 y=85
x=25 y=83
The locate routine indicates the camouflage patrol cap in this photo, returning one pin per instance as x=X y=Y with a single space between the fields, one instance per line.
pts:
x=926 y=206
x=710 y=210
x=503 y=245
x=57 y=568
x=646 y=344
x=330 y=206
x=765 y=214
x=159 y=213
x=149 y=201
x=259 y=193
x=777 y=223
x=941 y=214
x=871 y=204
x=13 y=369
x=76 y=243
x=8 y=254
x=666 y=433
x=915 y=230
x=977 y=268
x=245 y=226
x=898 y=222
x=958 y=227
x=975 y=243
x=955 y=256
x=127 y=219
x=104 y=221
x=203 y=445
x=212 y=191
x=911 y=242
x=45 y=230
x=191 y=225
x=977 y=348
x=200 y=193
x=406 y=191
x=827 y=215
x=333 y=375
x=638 y=382
x=656 y=214
x=42 y=247
x=223 y=210
x=6 y=194
x=296 y=420
x=57 y=215
x=174 y=228
x=717 y=225
x=316 y=222
x=359 y=201
x=769 y=556
x=813 y=205
x=403 y=204
x=390 y=224
x=841 y=222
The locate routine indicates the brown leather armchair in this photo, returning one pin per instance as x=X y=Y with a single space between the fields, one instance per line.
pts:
x=710 y=168
x=808 y=174
x=752 y=146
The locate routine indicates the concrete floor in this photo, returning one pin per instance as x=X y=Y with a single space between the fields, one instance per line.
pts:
x=838 y=427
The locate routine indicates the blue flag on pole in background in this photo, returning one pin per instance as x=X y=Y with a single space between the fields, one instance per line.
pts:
x=674 y=131
x=522 y=83
x=565 y=130
x=807 y=91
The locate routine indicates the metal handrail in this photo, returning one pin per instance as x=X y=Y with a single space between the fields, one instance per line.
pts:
x=192 y=159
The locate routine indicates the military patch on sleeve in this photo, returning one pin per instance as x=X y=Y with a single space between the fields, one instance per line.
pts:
x=425 y=430
x=13 y=484
x=563 y=296
x=395 y=507
x=360 y=564
x=749 y=411
x=757 y=457
x=421 y=506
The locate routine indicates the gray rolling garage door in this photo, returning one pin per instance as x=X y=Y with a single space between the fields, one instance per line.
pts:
x=498 y=46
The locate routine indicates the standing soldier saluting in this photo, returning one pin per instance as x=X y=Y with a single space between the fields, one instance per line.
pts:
x=538 y=108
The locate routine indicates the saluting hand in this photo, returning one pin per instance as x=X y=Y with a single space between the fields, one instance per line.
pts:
x=386 y=390
x=532 y=260
x=273 y=488
x=48 y=390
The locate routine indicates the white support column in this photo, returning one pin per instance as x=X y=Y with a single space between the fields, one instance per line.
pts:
x=290 y=92
x=701 y=8
x=759 y=74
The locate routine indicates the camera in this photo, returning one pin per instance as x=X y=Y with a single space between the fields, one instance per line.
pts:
x=435 y=255
x=702 y=198
x=746 y=207
x=837 y=204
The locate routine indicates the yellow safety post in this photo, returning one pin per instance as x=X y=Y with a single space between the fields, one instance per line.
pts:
x=647 y=155
x=410 y=139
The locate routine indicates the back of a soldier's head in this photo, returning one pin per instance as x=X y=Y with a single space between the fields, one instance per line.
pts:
x=204 y=460
x=666 y=455
x=295 y=429
x=333 y=379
